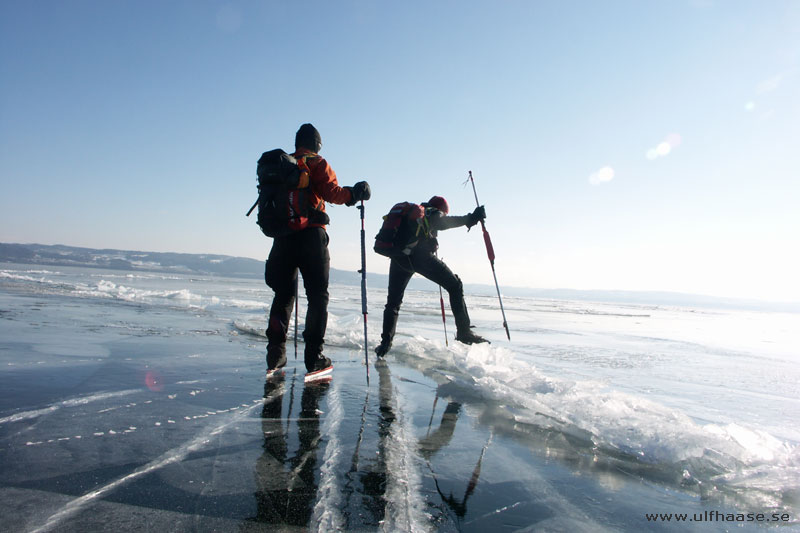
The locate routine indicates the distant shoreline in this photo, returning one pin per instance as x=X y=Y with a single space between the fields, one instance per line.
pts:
x=243 y=267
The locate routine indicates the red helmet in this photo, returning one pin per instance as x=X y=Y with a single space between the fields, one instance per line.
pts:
x=439 y=203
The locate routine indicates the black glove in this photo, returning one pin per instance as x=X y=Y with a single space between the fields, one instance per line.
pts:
x=476 y=216
x=359 y=191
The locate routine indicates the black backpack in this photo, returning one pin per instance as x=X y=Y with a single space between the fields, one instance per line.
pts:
x=402 y=228
x=283 y=194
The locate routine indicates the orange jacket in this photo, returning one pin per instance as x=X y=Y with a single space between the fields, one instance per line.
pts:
x=322 y=182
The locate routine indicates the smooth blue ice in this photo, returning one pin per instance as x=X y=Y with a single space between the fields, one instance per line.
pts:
x=704 y=401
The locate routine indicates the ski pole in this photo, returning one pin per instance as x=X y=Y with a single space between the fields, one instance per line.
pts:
x=296 y=305
x=363 y=272
x=490 y=251
x=444 y=320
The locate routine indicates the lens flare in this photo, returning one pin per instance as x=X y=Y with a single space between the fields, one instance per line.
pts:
x=665 y=147
x=153 y=381
x=606 y=174
x=603 y=175
x=674 y=140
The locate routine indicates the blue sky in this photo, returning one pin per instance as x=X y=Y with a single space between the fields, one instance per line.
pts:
x=616 y=145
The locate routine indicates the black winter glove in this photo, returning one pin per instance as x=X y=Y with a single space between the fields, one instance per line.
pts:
x=359 y=191
x=476 y=216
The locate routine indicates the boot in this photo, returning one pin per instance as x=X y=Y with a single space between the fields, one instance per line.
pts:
x=383 y=348
x=276 y=356
x=320 y=364
x=467 y=337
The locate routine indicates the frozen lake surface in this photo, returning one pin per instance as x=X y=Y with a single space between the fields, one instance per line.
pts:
x=139 y=399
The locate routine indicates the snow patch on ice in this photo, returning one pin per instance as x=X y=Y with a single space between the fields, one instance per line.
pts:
x=618 y=422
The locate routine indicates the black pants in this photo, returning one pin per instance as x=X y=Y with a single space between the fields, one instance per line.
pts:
x=433 y=268
x=306 y=250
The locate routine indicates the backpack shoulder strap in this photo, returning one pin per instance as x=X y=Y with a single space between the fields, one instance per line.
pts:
x=424 y=223
x=305 y=172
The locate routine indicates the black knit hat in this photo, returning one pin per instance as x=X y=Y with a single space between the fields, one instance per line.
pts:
x=308 y=137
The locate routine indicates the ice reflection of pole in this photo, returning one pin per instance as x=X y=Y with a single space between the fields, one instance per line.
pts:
x=291 y=400
x=433 y=411
x=373 y=478
x=433 y=443
x=354 y=461
x=460 y=508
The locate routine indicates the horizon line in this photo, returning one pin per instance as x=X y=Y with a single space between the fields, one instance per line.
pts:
x=620 y=292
